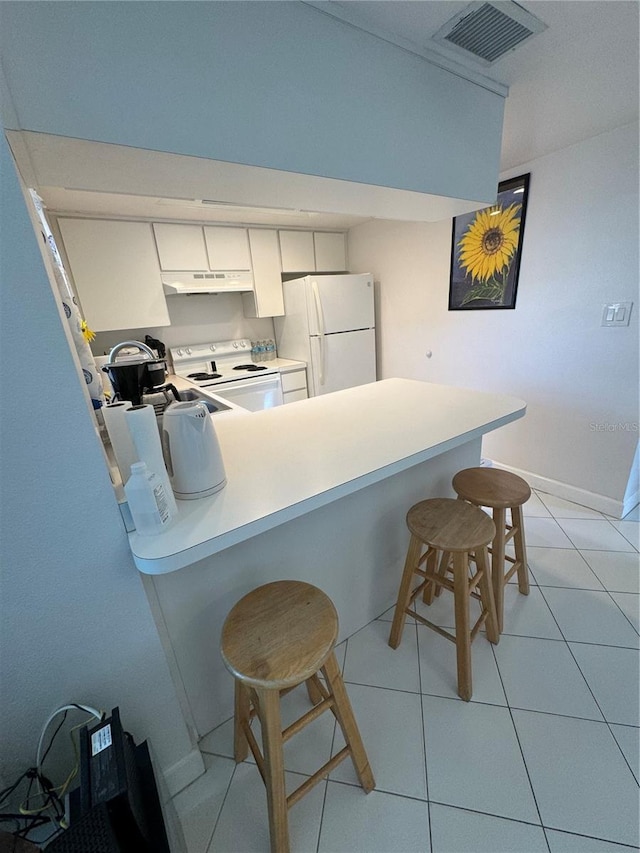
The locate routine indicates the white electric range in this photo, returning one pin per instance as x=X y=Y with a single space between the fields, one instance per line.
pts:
x=226 y=369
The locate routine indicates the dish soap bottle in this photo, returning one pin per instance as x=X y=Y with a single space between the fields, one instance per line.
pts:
x=148 y=501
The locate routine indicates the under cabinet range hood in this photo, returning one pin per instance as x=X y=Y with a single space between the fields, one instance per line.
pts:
x=206 y=282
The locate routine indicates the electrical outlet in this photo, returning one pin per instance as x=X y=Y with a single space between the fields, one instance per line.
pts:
x=616 y=314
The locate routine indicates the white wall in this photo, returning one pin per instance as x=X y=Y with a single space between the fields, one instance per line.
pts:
x=76 y=624
x=276 y=84
x=195 y=319
x=580 y=251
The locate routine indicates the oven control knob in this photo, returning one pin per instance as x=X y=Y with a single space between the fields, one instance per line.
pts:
x=235 y=344
x=212 y=347
x=188 y=350
x=178 y=352
x=242 y=344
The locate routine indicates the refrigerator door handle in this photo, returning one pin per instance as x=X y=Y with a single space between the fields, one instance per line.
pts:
x=320 y=321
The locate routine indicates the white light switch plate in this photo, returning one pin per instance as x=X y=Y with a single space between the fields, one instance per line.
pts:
x=616 y=314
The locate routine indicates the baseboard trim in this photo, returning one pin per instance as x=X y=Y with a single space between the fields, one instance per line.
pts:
x=183 y=772
x=601 y=503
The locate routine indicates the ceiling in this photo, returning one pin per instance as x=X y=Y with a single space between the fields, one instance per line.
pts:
x=575 y=80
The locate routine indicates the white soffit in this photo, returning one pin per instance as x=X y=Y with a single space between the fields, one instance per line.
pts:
x=82 y=165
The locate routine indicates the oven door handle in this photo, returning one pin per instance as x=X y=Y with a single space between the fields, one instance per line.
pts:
x=245 y=382
x=320 y=321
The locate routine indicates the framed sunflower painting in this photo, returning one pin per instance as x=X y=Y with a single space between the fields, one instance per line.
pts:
x=485 y=251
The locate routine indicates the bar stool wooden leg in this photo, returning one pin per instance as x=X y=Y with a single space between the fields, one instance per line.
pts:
x=344 y=713
x=315 y=696
x=433 y=590
x=404 y=593
x=269 y=712
x=241 y=716
x=497 y=565
x=486 y=594
x=463 y=640
x=517 y=521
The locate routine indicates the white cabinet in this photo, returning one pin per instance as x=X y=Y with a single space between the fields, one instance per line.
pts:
x=266 y=299
x=294 y=385
x=115 y=270
x=330 y=251
x=180 y=247
x=313 y=251
x=297 y=251
x=227 y=248
x=186 y=248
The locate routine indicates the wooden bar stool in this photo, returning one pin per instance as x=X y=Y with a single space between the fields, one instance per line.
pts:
x=459 y=533
x=501 y=491
x=276 y=637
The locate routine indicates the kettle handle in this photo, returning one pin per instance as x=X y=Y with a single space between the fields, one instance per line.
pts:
x=166 y=451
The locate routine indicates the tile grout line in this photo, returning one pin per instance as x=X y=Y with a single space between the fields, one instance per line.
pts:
x=524 y=761
x=595 y=549
x=633 y=544
x=224 y=800
x=424 y=738
x=592 y=693
x=333 y=740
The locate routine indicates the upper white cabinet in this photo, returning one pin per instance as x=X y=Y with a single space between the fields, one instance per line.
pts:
x=115 y=269
x=180 y=247
x=227 y=248
x=266 y=299
x=330 y=250
x=184 y=248
x=296 y=248
x=312 y=251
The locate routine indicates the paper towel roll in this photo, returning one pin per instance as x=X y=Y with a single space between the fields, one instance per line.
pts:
x=143 y=429
x=120 y=437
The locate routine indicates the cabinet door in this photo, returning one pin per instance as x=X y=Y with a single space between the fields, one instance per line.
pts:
x=227 y=248
x=266 y=299
x=180 y=247
x=115 y=269
x=296 y=248
x=330 y=252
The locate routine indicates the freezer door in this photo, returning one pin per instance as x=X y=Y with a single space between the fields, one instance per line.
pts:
x=342 y=361
x=340 y=303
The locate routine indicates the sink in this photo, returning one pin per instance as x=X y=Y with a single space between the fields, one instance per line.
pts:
x=212 y=405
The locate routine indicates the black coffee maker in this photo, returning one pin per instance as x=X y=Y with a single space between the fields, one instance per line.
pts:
x=136 y=374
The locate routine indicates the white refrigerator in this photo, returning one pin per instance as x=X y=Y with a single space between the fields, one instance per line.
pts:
x=329 y=322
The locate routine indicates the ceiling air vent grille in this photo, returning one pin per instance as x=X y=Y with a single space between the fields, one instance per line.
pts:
x=486 y=31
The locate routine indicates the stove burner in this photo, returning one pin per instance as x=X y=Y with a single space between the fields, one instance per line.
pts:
x=200 y=376
x=250 y=367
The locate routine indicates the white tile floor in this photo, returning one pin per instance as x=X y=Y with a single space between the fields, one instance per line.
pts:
x=544 y=759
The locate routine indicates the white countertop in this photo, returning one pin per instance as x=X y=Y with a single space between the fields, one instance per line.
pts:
x=284 y=462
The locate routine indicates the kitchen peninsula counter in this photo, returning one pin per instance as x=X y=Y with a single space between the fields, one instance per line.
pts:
x=317 y=491
x=285 y=462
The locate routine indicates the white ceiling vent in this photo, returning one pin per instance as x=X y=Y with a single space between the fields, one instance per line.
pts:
x=486 y=31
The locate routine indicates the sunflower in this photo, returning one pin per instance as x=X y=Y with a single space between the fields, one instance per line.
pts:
x=489 y=243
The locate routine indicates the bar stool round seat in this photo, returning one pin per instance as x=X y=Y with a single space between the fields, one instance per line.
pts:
x=455 y=535
x=500 y=491
x=278 y=636
x=491 y=487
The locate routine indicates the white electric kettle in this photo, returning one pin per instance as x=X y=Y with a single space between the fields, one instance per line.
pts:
x=191 y=450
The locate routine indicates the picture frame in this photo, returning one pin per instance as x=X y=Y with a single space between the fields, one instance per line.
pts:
x=486 y=247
